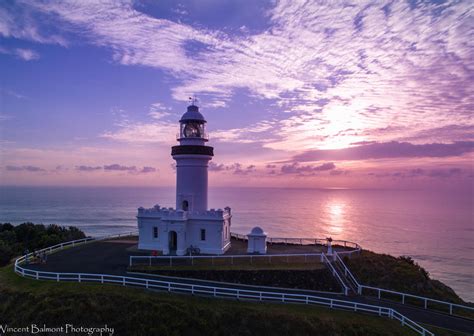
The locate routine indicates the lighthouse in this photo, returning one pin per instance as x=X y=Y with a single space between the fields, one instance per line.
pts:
x=192 y=157
x=190 y=226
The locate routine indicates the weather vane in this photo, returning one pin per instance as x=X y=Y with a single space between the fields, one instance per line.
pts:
x=193 y=100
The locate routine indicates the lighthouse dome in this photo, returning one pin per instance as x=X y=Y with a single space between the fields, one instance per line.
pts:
x=193 y=114
x=257 y=231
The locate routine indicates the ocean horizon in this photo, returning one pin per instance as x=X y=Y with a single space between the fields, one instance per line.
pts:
x=434 y=228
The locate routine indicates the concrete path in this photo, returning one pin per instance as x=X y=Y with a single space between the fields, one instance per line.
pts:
x=111 y=257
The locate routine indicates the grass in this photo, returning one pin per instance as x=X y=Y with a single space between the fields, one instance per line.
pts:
x=443 y=332
x=404 y=275
x=133 y=311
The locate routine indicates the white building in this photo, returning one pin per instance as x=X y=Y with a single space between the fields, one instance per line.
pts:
x=191 y=224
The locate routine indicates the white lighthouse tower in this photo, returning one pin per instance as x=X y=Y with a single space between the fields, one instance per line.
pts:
x=192 y=157
x=191 y=224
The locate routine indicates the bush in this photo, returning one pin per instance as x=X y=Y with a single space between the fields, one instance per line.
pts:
x=14 y=240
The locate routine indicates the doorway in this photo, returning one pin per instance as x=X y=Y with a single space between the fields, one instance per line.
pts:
x=173 y=241
x=185 y=205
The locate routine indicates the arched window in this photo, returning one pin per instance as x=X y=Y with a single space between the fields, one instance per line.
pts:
x=185 y=205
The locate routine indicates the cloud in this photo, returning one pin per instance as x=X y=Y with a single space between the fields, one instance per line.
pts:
x=436 y=173
x=216 y=167
x=388 y=150
x=18 y=21
x=146 y=170
x=12 y=93
x=446 y=133
x=156 y=132
x=296 y=168
x=88 y=168
x=33 y=169
x=117 y=167
x=24 y=54
x=234 y=168
x=383 y=71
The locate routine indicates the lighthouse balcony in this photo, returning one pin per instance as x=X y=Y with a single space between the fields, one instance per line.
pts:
x=203 y=136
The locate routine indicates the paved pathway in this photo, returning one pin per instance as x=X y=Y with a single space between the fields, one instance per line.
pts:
x=111 y=257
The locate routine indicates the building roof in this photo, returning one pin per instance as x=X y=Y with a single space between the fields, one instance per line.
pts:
x=257 y=231
x=192 y=114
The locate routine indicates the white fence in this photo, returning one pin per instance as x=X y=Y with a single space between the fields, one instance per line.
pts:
x=224 y=292
x=335 y=274
x=347 y=273
x=424 y=300
x=449 y=306
x=306 y=241
x=223 y=259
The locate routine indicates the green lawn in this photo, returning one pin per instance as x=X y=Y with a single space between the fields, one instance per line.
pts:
x=138 y=312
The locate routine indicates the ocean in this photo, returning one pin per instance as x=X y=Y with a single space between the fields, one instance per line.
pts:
x=435 y=228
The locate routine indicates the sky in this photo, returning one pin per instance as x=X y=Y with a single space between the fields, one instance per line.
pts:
x=323 y=94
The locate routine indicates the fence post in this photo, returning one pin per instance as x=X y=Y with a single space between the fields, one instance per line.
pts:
x=146 y=283
x=214 y=291
x=379 y=294
x=57 y=277
x=426 y=303
x=101 y=279
x=79 y=278
x=192 y=289
x=169 y=287
x=403 y=320
x=359 y=289
x=260 y=296
x=403 y=298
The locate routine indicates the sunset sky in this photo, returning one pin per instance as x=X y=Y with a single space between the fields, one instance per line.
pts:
x=296 y=93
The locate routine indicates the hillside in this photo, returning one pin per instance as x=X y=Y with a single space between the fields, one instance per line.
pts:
x=139 y=312
x=400 y=274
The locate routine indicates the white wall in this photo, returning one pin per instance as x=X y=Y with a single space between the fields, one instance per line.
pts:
x=191 y=181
